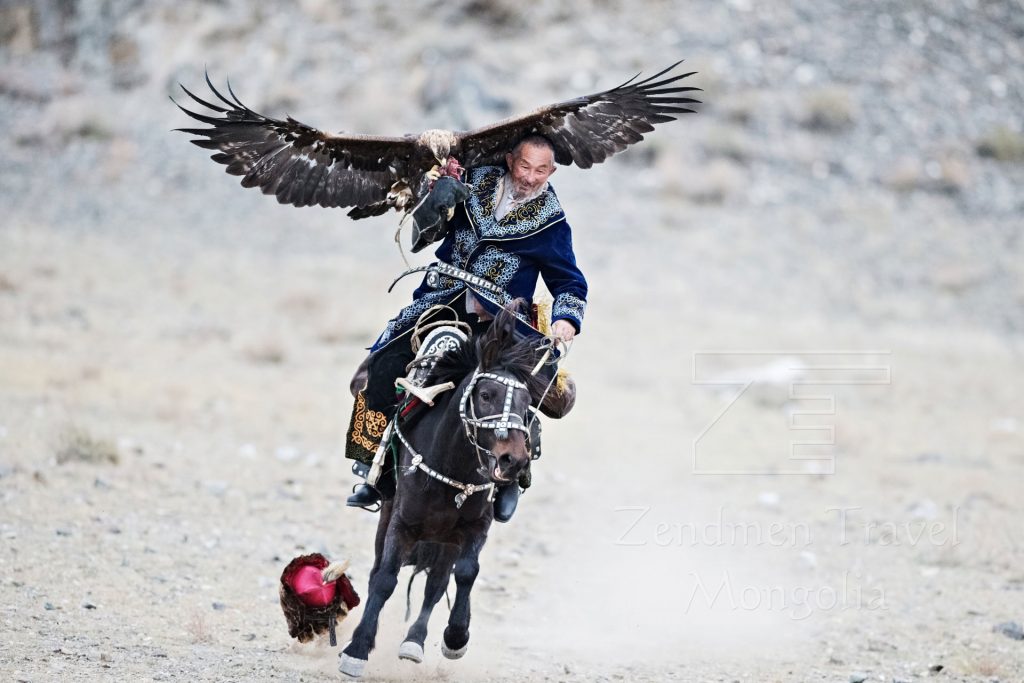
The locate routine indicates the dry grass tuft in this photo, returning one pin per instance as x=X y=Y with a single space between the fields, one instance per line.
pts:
x=78 y=445
x=267 y=353
x=7 y=286
x=198 y=629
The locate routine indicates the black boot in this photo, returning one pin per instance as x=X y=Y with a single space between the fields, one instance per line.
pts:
x=505 y=502
x=364 y=495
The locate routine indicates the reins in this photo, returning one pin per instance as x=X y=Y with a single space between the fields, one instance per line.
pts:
x=500 y=423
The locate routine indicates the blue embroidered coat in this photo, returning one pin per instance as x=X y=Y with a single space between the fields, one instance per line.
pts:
x=533 y=239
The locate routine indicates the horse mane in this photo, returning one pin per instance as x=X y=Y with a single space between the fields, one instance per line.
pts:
x=496 y=350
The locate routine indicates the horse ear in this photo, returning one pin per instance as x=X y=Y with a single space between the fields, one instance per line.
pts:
x=500 y=336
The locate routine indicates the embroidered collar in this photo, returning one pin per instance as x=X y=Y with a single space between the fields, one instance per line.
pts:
x=525 y=219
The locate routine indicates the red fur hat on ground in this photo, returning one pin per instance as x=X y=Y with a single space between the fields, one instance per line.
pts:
x=315 y=595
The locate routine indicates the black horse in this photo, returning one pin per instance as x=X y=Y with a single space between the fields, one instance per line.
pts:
x=473 y=439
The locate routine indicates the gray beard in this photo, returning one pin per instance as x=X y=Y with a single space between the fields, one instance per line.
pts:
x=519 y=194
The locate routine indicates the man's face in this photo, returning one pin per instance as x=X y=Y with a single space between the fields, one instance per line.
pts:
x=530 y=168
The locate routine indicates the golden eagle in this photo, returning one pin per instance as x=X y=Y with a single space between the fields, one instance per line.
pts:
x=304 y=166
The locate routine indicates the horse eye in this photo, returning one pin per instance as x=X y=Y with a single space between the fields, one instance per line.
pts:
x=485 y=395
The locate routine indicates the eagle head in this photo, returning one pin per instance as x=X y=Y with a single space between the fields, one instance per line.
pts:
x=439 y=142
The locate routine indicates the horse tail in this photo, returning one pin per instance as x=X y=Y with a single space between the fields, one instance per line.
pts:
x=423 y=556
x=408 y=597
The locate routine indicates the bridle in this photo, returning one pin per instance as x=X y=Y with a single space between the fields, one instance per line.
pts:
x=500 y=423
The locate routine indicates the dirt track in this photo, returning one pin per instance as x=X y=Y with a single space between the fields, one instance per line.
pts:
x=175 y=352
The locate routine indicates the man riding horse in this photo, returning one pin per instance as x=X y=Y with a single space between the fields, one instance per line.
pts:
x=508 y=231
x=499 y=232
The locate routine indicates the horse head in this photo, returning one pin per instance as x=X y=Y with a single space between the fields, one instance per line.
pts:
x=495 y=401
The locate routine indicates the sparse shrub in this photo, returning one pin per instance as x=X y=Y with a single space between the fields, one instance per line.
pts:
x=741 y=108
x=268 y=353
x=720 y=179
x=953 y=176
x=727 y=142
x=948 y=174
x=828 y=110
x=78 y=445
x=1002 y=144
x=903 y=176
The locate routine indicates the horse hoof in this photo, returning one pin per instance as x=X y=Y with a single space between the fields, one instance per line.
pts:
x=453 y=654
x=350 y=666
x=411 y=651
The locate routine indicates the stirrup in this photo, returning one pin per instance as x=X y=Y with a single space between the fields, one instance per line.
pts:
x=379 y=503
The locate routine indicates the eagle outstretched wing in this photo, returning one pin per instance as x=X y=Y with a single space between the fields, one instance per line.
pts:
x=585 y=130
x=298 y=163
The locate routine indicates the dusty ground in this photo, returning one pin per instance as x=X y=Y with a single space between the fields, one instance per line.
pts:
x=175 y=351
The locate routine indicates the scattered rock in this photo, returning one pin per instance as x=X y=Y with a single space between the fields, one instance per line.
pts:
x=1010 y=629
x=924 y=509
x=287 y=453
x=216 y=488
x=858 y=677
x=88 y=605
x=218 y=606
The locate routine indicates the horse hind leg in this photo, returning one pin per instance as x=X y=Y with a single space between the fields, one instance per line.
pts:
x=438 y=573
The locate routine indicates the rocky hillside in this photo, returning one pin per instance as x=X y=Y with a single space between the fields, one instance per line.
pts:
x=859 y=159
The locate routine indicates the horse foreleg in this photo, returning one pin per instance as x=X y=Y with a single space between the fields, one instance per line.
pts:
x=397 y=546
x=437 y=580
x=456 y=636
x=382 y=533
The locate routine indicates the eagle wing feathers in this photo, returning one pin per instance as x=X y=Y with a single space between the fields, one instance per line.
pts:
x=304 y=166
x=297 y=163
x=586 y=130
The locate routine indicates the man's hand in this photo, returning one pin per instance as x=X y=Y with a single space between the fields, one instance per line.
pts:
x=434 y=173
x=564 y=330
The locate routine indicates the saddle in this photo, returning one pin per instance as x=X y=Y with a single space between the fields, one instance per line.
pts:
x=419 y=397
x=437 y=342
x=441 y=338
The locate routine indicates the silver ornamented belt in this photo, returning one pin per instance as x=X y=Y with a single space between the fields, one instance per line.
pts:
x=436 y=270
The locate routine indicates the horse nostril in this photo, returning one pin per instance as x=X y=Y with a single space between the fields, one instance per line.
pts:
x=505 y=461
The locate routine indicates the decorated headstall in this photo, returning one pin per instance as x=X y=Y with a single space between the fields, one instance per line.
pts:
x=500 y=423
